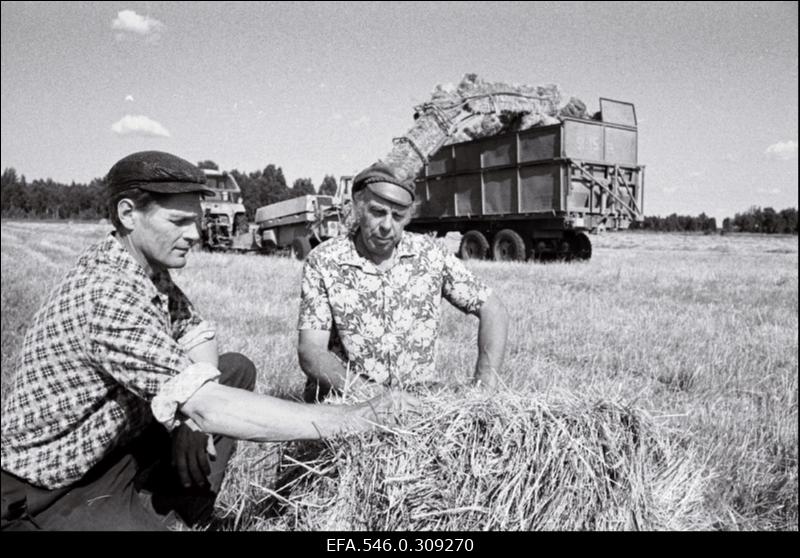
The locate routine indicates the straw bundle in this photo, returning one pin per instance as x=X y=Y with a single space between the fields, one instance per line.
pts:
x=508 y=462
x=476 y=108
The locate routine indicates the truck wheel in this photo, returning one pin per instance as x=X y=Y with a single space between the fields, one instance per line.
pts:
x=508 y=246
x=301 y=247
x=474 y=246
x=240 y=224
x=581 y=246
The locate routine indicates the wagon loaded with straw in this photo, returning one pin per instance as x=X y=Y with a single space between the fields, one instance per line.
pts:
x=518 y=173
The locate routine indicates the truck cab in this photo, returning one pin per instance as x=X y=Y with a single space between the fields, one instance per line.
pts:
x=224 y=215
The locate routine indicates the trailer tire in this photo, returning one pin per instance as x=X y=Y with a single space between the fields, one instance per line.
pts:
x=301 y=247
x=581 y=246
x=474 y=246
x=508 y=246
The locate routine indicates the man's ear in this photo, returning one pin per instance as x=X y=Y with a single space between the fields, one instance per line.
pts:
x=126 y=214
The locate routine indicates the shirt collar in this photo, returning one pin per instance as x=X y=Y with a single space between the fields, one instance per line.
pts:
x=118 y=257
x=405 y=249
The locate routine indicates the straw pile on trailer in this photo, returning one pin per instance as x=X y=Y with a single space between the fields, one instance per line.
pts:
x=510 y=462
x=476 y=108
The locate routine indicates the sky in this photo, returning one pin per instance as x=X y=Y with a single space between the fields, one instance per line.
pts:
x=322 y=88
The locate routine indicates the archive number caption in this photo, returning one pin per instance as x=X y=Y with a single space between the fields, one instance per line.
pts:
x=428 y=544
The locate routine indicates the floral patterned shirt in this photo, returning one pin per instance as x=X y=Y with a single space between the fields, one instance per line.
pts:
x=384 y=324
x=103 y=358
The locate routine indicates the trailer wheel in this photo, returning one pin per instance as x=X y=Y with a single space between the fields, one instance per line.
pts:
x=508 y=246
x=474 y=246
x=301 y=247
x=582 y=246
x=541 y=249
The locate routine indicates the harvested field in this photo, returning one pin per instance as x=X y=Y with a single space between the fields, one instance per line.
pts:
x=694 y=336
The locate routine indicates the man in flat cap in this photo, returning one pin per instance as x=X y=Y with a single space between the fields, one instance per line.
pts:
x=121 y=414
x=369 y=310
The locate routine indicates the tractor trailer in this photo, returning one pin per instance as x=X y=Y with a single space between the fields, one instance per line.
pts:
x=535 y=193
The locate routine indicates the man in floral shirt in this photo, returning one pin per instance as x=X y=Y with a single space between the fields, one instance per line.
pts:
x=121 y=414
x=369 y=310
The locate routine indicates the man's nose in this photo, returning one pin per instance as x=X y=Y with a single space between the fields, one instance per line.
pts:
x=386 y=223
x=192 y=232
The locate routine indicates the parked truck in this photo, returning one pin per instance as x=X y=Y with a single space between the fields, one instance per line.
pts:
x=224 y=223
x=298 y=224
x=295 y=225
x=536 y=193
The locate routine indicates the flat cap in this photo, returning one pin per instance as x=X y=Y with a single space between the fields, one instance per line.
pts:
x=384 y=181
x=156 y=171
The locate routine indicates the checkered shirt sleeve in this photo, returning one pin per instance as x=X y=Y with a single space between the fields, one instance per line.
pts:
x=129 y=340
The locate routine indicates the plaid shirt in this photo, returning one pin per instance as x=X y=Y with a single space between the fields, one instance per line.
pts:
x=384 y=324
x=103 y=358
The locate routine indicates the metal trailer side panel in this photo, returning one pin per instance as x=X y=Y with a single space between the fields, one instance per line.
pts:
x=599 y=142
x=468 y=195
x=574 y=170
x=499 y=191
x=293 y=206
x=539 y=187
x=539 y=144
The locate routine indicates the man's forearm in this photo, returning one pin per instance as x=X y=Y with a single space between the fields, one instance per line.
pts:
x=321 y=365
x=244 y=415
x=492 y=334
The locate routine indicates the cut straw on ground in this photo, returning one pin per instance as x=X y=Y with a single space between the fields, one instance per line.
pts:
x=495 y=462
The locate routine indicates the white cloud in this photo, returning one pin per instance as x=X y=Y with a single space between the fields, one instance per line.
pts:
x=728 y=157
x=129 y=98
x=337 y=116
x=669 y=189
x=695 y=174
x=131 y=22
x=783 y=150
x=139 y=125
x=360 y=122
x=773 y=191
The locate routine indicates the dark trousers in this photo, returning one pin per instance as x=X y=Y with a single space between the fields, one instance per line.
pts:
x=133 y=488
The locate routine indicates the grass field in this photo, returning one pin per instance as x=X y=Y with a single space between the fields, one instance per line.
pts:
x=699 y=332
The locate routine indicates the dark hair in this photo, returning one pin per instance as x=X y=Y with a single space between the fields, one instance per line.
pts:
x=141 y=199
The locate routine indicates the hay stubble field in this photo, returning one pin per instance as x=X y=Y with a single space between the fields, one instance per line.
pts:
x=696 y=333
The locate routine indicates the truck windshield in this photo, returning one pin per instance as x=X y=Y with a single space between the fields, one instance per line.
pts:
x=224 y=187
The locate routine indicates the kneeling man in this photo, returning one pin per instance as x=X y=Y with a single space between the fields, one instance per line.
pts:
x=369 y=310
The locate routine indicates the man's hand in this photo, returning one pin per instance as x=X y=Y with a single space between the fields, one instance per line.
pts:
x=384 y=408
x=190 y=455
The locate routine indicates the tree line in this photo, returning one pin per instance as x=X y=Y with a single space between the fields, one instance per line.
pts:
x=676 y=223
x=755 y=219
x=47 y=199
x=765 y=220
